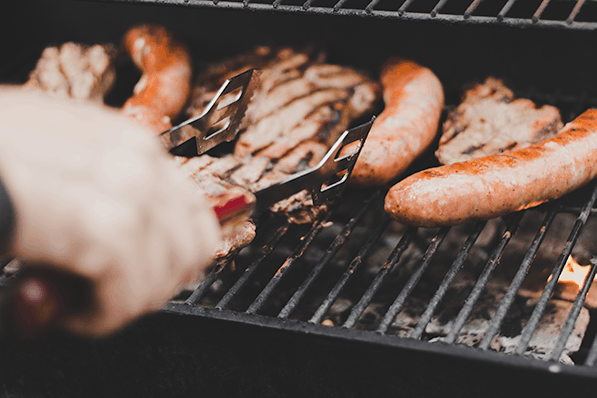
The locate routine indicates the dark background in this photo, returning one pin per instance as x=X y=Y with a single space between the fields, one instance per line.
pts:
x=546 y=59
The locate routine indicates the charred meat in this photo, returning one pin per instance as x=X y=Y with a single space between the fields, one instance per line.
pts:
x=301 y=107
x=489 y=121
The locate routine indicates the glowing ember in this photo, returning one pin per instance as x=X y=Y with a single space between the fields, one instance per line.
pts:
x=574 y=273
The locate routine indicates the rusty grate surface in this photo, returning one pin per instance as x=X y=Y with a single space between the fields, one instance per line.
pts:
x=560 y=14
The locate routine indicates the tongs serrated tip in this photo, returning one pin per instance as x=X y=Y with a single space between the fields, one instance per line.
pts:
x=220 y=121
x=326 y=181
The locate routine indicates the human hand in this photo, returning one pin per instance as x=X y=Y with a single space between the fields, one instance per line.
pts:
x=95 y=195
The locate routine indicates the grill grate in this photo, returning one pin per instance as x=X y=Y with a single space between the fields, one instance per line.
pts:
x=579 y=14
x=294 y=277
x=318 y=306
x=549 y=288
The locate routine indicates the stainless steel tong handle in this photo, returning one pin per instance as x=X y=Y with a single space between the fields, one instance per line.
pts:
x=323 y=181
x=222 y=118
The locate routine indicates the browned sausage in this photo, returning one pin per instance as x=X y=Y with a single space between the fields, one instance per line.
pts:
x=414 y=99
x=496 y=185
x=165 y=85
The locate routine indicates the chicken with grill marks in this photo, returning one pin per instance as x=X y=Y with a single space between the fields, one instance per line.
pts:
x=301 y=107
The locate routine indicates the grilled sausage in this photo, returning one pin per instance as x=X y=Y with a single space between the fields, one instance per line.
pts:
x=165 y=84
x=414 y=99
x=496 y=185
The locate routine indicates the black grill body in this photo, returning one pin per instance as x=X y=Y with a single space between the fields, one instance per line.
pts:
x=239 y=341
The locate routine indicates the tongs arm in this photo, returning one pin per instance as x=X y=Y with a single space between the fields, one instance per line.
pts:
x=323 y=181
x=221 y=119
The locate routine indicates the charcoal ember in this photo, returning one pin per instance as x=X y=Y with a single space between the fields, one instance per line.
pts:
x=300 y=108
x=544 y=339
x=444 y=316
x=548 y=254
x=548 y=330
x=569 y=291
x=490 y=120
x=77 y=71
x=542 y=343
x=484 y=310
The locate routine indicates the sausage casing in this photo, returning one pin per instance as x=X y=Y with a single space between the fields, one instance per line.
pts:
x=496 y=185
x=413 y=98
x=165 y=86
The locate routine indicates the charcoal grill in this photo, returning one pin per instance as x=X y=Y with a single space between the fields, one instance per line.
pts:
x=291 y=315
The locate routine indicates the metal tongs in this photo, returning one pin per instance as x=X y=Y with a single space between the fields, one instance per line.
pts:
x=221 y=122
x=326 y=180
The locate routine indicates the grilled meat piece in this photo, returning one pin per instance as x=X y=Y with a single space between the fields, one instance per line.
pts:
x=231 y=176
x=489 y=121
x=331 y=96
x=75 y=71
x=302 y=105
x=298 y=208
x=277 y=66
x=209 y=174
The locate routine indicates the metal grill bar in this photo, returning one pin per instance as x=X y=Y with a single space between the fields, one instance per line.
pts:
x=505 y=10
x=209 y=280
x=241 y=282
x=343 y=9
x=537 y=15
x=412 y=281
x=469 y=11
x=425 y=318
x=330 y=253
x=438 y=7
x=371 y=5
x=494 y=260
x=290 y=261
x=508 y=299
x=392 y=260
x=307 y=4
x=354 y=264
x=575 y=11
x=404 y=6
x=529 y=329
x=339 y=5
x=574 y=312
